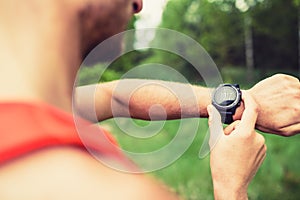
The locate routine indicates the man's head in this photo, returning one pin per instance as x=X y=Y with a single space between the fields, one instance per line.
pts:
x=64 y=24
x=100 y=19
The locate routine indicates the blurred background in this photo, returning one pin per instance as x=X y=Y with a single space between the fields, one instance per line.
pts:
x=248 y=40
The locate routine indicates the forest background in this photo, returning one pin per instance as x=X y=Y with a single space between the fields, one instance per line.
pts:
x=248 y=40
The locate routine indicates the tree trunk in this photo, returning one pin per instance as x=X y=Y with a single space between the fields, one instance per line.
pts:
x=249 y=52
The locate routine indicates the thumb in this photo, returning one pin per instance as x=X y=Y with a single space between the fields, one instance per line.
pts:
x=231 y=127
x=250 y=113
x=215 y=125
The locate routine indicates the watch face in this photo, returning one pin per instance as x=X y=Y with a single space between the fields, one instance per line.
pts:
x=225 y=96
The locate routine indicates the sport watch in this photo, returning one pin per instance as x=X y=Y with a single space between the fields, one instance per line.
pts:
x=226 y=98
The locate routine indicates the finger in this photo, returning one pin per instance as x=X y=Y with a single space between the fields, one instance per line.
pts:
x=215 y=125
x=213 y=114
x=250 y=113
x=231 y=127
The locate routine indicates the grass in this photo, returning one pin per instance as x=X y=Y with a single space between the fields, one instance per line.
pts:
x=278 y=178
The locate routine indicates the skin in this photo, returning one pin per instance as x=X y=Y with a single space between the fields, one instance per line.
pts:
x=41 y=50
x=77 y=23
x=278 y=100
x=58 y=173
x=135 y=98
x=110 y=100
x=236 y=152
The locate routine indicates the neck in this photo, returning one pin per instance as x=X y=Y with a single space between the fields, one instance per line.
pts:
x=40 y=54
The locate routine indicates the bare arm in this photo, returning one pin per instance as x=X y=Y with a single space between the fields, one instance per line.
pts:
x=278 y=98
x=143 y=99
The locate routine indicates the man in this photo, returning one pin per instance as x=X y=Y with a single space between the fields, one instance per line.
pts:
x=42 y=46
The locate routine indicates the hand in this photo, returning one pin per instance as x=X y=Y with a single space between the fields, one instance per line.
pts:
x=236 y=153
x=278 y=99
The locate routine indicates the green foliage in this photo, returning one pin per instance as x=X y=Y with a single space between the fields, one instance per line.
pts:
x=280 y=173
x=221 y=33
x=296 y=2
x=236 y=74
x=216 y=25
x=219 y=26
x=95 y=74
x=275 y=30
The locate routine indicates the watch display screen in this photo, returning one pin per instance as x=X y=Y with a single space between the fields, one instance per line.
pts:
x=225 y=96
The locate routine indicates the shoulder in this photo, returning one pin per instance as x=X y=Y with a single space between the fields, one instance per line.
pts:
x=69 y=173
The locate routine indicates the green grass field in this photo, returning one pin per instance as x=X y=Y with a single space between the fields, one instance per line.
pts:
x=278 y=178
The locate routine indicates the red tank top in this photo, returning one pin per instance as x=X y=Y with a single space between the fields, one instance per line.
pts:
x=27 y=127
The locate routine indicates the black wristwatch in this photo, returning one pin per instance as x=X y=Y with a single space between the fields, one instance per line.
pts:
x=226 y=98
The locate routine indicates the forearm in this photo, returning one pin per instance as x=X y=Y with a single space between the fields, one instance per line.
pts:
x=157 y=100
x=148 y=99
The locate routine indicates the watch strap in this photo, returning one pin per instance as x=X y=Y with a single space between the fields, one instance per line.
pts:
x=226 y=116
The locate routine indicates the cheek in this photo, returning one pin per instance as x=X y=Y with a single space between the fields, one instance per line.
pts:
x=103 y=21
x=114 y=18
x=121 y=15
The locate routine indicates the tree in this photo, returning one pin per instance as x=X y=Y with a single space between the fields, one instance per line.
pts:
x=275 y=35
x=216 y=26
x=245 y=6
x=297 y=4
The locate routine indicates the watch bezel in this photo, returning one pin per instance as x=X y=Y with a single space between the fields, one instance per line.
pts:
x=232 y=105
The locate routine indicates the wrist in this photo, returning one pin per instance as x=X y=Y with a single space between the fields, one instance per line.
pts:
x=239 y=110
x=204 y=99
x=225 y=191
